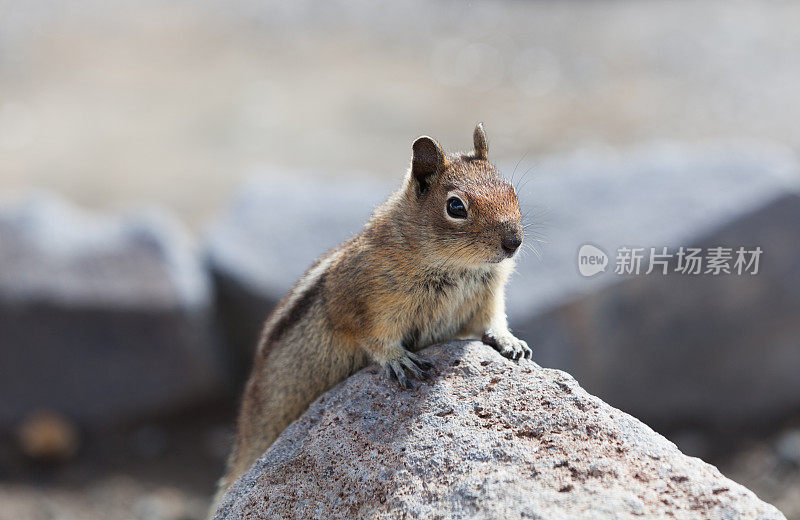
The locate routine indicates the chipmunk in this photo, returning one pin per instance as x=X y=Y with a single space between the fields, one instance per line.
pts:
x=431 y=265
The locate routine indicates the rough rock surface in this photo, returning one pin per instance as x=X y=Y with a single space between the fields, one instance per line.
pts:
x=661 y=195
x=483 y=438
x=102 y=319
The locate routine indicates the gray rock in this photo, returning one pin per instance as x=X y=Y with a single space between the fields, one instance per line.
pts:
x=693 y=349
x=483 y=438
x=102 y=319
x=662 y=195
x=676 y=348
x=787 y=448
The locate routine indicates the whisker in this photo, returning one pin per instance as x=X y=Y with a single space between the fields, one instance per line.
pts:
x=517 y=166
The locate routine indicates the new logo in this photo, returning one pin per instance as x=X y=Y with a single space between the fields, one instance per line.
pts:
x=591 y=260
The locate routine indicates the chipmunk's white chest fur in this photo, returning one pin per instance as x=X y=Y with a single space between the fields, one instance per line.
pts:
x=444 y=303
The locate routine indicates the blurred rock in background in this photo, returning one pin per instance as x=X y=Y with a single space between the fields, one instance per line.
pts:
x=103 y=320
x=771 y=467
x=676 y=348
x=46 y=436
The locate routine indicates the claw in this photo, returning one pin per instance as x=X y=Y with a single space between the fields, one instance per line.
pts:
x=409 y=365
x=421 y=363
x=412 y=364
x=402 y=379
x=528 y=353
x=508 y=346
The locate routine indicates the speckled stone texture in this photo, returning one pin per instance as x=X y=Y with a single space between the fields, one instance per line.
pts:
x=483 y=438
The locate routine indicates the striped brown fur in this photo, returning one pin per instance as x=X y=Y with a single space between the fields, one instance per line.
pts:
x=417 y=274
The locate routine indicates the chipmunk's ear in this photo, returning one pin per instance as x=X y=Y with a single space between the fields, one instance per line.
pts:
x=479 y=141
x=427 y=160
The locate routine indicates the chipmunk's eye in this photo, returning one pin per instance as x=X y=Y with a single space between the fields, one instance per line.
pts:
x=456 y=208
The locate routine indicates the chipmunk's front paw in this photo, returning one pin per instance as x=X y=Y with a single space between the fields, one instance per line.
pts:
x=406 y=361
x=508 y=345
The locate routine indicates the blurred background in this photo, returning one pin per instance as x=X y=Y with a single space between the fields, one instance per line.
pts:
x=169 y=168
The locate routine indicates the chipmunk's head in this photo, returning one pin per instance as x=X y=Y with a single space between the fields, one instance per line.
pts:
x=468 y=213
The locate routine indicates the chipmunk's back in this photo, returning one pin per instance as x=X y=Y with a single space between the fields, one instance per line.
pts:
x=430 y=265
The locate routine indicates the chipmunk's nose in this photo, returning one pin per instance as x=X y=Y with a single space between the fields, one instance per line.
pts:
x=511 y=241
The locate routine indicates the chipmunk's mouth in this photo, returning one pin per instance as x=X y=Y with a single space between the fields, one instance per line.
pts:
x=506 y=252
x=500 y=257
